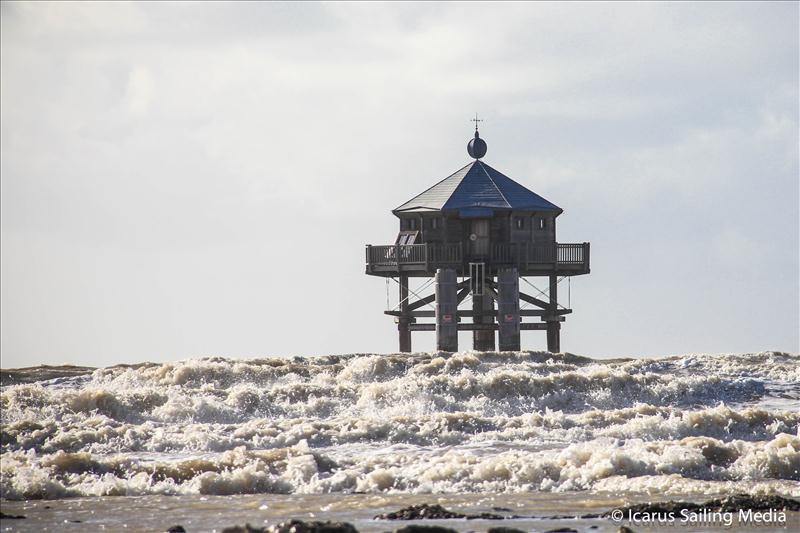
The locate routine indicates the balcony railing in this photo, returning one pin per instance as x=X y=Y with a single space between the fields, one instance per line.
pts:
x=522 y=255
x=408 y=254
x=514 y=253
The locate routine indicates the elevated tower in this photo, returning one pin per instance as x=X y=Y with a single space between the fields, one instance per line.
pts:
x=477 y=232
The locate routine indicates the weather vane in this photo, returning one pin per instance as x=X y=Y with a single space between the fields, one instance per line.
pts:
x=476 y=120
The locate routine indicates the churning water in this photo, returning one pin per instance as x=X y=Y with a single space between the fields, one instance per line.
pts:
x=406 y=424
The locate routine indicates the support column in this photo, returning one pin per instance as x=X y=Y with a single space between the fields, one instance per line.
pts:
x=446 y=310
x=508 y=309
x=403 y=320
x=483 y=340
x=553 y=323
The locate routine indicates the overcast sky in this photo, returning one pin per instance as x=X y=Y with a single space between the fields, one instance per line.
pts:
x=184 y=180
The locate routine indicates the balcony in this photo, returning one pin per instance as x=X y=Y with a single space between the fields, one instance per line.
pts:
x=530 y=259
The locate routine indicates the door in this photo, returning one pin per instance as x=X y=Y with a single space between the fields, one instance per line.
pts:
x=479 y=238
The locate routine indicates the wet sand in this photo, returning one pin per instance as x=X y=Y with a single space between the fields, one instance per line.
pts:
x=206 y=514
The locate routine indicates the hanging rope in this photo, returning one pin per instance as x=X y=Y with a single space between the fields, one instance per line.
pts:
x=542 y=293
x=537 y=289
x=532 y=285
x=420 y=289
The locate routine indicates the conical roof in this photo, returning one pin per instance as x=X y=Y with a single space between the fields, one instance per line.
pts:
x=476 y=190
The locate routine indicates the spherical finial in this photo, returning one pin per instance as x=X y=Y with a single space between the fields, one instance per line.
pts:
x=476 y=147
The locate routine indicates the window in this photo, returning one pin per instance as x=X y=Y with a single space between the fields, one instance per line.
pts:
x=435 y=223
x=519 y=222
x=542 y=223
x=406 y=237
x=412 y=223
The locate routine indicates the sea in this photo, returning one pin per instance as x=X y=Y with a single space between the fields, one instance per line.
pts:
x=212 y=442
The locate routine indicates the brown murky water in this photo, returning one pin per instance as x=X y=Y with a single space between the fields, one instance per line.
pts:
x=207 y=514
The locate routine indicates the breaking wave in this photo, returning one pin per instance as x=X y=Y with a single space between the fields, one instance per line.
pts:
x=464 y=422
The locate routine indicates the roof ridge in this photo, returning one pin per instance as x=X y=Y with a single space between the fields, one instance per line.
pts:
x=495 y=185
x=515 y=183
x=436 y=184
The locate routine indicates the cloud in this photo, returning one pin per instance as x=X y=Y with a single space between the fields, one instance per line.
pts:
x=178 y=132
x=141 y=91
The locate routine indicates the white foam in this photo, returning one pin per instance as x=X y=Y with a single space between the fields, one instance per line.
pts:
x=466 y=422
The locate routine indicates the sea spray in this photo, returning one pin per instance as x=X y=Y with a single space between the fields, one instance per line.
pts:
x=406 y=423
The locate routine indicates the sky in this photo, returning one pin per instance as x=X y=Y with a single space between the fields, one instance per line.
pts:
x=200 y=179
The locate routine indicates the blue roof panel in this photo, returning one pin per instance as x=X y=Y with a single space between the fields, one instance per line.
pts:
x=476 y=212
x=518 y=196
x=477 y=188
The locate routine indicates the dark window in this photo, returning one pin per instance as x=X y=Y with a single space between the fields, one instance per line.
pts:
x=406 y=237
x=435 y=223
x=412 y=223
x=542 y=223
x=519 y=222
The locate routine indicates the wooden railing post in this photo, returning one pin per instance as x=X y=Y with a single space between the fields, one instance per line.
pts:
x=586 y=254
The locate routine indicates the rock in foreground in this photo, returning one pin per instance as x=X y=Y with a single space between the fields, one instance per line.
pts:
x=296 y=526
x=433 y=512
x=728 y=504
x=415 y=528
